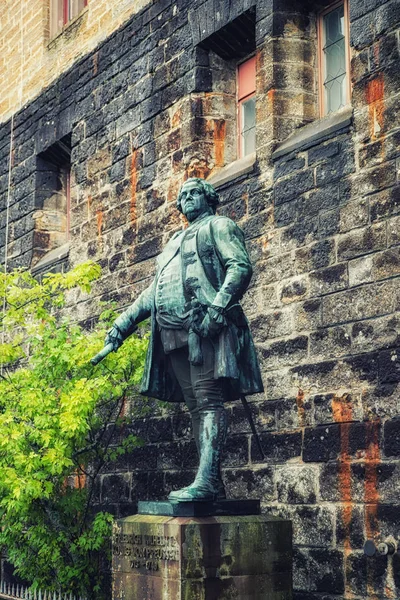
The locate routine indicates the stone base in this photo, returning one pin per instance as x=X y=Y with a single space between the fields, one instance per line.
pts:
x=199 y=509
x=208 y=558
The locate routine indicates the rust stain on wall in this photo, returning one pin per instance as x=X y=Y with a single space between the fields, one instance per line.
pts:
x=79 y=479
x=374 y=94
x=99 y=217
x=197 y=167
x=343 y=413
x=219 y=141
x=176 y=118
x=300 y=407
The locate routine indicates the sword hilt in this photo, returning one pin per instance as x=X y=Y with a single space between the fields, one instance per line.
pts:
x=102 y=354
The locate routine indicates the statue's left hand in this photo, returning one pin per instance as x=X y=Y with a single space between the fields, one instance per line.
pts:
x=212 y=323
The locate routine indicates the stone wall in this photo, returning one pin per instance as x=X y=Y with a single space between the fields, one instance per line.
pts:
x=321 y=213
x=32 y=56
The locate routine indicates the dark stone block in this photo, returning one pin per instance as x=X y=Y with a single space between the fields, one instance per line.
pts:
x=176 y=480
x=118 y=171
x=200 y=509
x=277 y=447
x=169 y=456
x=321 y=254
x=250 y=484
x=285 y=214
x=182 y=425
x=321 y=443
x=155 y=486
x=325 y=198
x=365 y=365
x=144 y=457
x=336 y=168
x=301 y=230
x=360 y=8
x=362 y=31
x=389 y=366
x=329 y=223
x=286 y=348
x=350 y=528
x=323 y=152
x=236 y=451
x=190 y=458
x=327 y=572
x=115 y=488
x=392 y=438
x=386 y=205
x=283 y=168
x=293 y=186
x=151 y=106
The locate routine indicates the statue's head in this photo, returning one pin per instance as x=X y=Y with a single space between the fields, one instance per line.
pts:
x=195 y=197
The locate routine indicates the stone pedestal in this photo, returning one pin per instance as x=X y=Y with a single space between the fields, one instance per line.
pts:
x=157 y=557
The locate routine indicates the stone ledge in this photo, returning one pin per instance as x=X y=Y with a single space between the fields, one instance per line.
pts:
x=233 y=170
x=199 y=509
x=50 y=259
x=312 y=134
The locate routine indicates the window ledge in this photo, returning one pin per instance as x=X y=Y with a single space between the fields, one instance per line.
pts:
x=51 y=259
x=71 y=25
x=312 y=134
x=233 y=170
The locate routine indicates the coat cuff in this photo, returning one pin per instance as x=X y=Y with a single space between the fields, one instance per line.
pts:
x=222 y=299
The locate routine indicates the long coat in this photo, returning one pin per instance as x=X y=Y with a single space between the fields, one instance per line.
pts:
x=219 y=258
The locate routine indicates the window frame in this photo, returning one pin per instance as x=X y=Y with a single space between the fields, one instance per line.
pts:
x=60 y=15
x=320 y=37
x=239 y=102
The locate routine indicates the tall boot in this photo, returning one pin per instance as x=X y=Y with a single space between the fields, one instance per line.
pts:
x=210 y=441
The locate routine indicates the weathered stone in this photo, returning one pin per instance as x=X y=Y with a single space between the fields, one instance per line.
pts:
x=358 y=303
x=321 y=444
x=182 y=557
x=360 y=270
x=297 y=485
x=328 y=280
x=331 y=343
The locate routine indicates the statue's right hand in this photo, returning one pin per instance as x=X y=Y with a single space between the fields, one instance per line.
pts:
x=114 y=337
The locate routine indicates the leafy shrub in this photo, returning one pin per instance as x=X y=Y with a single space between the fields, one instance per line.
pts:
x=58 y=420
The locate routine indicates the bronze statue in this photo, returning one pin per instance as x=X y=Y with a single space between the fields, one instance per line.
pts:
x=201 y=350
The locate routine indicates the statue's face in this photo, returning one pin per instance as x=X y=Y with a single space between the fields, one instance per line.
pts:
x=193 y=201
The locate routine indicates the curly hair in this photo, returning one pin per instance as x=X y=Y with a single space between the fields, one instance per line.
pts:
x=211 y=195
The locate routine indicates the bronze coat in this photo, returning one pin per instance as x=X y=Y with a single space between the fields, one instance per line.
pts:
x=220 y=259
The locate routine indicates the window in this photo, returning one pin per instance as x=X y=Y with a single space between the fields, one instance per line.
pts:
x=63 y=11
x=52 y=199
x=334 y=58
x=246 y=89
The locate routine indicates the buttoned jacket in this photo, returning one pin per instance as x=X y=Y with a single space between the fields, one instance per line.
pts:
x=216 y=269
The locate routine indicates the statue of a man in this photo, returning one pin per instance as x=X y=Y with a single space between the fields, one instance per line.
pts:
x=201 y=350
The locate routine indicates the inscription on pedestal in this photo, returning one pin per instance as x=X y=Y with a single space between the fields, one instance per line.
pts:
x=145 y=551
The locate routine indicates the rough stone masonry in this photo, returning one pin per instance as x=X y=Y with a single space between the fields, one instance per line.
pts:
x=320 y=208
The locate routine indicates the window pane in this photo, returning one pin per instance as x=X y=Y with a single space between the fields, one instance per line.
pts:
x=249 y=113
x=247 y=78
x=335 y=94
x=248 y=122
x=334 y=50
x=334 y=25
x=249 y=141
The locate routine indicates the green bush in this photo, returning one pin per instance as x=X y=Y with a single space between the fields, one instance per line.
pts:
x=58 y=419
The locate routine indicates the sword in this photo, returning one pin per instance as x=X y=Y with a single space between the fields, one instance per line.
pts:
x=252 y=425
